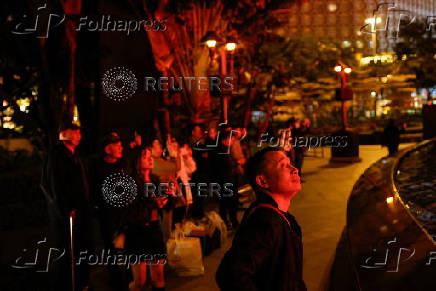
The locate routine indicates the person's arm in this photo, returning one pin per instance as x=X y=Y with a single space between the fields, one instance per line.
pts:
x=251 y=248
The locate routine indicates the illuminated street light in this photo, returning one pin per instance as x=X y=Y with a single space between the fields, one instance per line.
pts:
x=338 y=69
x=373 y=93
x=230 y=46
x=347 y=70
x=373 y=21
x=211 y=43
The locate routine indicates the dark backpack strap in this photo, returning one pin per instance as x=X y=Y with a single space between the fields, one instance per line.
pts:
x=266 y=205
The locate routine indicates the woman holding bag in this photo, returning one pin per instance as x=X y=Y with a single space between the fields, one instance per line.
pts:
x=141 y=227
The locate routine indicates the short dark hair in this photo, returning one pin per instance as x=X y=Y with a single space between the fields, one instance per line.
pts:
x=254 y=165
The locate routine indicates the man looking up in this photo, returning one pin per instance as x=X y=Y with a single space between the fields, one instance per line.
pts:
x=267 y=252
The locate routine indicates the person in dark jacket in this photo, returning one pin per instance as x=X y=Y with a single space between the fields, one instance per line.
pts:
x=391 y=137
x=109 y=216
x=65 y=184
x=226 y=172
x=201 y=155
x=267 y=252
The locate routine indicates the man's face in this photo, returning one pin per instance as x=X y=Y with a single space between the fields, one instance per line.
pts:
x=281 y=177
x=114 y=150
x=73 y=136
x=156 y=149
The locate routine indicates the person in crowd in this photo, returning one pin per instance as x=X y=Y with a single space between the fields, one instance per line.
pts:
x=236 y=149
x=391 y=137
x=66 y=186
x=134 y=146
x=201 y=155
x=166 y=170
x=297 y=134
x=187 y=167
x=111 y=162
x=226 y=172
x=141 y=228
x=267 y=252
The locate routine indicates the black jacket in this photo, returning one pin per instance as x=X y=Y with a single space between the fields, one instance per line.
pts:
x=65 y=183
x=265 y=254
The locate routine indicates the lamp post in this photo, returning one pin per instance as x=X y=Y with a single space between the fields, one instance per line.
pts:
x=342 y=72
x=373 y=22
x=223 y=48
x=349 y=153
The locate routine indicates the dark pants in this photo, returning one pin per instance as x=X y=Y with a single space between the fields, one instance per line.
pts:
x=60 y=266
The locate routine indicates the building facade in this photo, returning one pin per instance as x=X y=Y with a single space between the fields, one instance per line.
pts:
x=349 y=21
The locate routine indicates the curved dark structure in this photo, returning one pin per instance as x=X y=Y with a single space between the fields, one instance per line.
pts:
x=383 y=246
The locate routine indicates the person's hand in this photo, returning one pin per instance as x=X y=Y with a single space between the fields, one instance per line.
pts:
x=161 y=201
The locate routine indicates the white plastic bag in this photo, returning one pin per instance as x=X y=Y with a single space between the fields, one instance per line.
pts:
x=217 y=222
x=184 y=255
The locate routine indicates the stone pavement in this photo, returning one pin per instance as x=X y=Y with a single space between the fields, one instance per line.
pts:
x=320 y=209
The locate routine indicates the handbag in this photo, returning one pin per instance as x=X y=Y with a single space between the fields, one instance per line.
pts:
x=184 y=254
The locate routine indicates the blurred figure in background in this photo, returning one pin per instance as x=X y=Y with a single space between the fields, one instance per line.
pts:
x=201 y=156
x=297 y=134
x=226 y=173
x=391 y=137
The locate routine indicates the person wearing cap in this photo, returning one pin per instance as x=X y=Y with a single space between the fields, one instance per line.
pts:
x=267 y=250
x=65 y=185
x=110 y=162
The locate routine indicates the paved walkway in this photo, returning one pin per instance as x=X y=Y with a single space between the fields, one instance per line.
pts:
x=320 y=209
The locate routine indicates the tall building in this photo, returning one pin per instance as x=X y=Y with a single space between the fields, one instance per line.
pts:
x=349 y=21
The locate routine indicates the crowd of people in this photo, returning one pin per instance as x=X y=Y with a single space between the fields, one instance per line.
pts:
x=79 y=211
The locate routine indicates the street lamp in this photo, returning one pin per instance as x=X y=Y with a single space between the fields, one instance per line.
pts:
x=213 y=43
x=350 y=152
x=373 y=22
x=345 y=93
